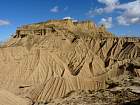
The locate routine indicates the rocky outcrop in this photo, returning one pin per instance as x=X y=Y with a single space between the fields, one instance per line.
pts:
x=47 y=60
x=45 y=28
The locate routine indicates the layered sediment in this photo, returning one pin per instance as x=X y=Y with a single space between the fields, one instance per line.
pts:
x=47 y=60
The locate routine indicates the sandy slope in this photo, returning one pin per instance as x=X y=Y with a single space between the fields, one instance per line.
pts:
x=7 y=98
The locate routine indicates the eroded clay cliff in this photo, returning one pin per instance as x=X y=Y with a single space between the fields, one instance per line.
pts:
x=47 y=60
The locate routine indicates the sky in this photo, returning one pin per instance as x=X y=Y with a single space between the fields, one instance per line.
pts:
x=121 y=17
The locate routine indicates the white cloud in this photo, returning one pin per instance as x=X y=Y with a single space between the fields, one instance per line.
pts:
x=122 y=21
x=135 y=20
x=110 y=5
x=55 y=9
x=92 y=12
x=70 y=18
x=131 y=13
x=4 y=22
x=107 y=22
x=109 y=2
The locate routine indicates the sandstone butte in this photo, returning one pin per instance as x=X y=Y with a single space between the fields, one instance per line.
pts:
x=47 y=60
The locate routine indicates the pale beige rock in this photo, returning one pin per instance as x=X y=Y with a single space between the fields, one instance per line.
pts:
x=7 y=98
x=43 y=65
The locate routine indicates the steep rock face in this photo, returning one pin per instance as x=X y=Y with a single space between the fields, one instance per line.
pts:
x=42 y=64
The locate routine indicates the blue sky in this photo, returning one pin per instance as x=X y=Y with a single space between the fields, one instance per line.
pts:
x=119 y=16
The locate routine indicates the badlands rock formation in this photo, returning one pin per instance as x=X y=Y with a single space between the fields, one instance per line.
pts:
x=47 y=60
